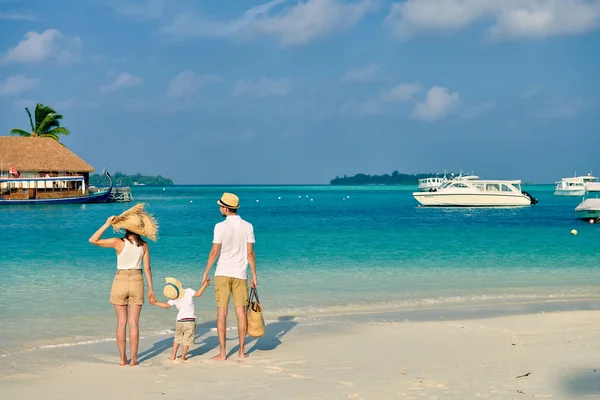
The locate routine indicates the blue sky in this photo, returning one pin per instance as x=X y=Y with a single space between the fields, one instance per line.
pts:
x=248 y=92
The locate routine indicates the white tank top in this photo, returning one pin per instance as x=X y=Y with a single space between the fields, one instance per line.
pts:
x=130 y=257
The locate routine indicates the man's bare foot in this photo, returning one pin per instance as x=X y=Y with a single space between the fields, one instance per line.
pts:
x=172 y=358
x=220 y=357
x=124 y=362
x=133 y=363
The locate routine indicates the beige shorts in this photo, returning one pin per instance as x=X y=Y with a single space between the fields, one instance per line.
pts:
x=185 y=333
x=226 y=286
x=127 y=287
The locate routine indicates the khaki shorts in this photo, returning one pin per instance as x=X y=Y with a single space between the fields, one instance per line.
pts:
x=127 y=287
x=226 y=286
x=185 y=333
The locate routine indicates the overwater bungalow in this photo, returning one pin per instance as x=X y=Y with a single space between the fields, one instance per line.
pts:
x=36 y=170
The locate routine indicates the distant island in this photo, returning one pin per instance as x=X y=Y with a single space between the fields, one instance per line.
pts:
x=395 y=178
x=122 y=179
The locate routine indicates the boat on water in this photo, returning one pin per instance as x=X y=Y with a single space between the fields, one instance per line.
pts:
x=589 y=208
x=574 y=186
x=476 y=193
x=62 y=189
x=428 y=184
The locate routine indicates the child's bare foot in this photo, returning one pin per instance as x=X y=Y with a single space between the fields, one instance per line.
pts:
x=133 y=363
x=220 y=357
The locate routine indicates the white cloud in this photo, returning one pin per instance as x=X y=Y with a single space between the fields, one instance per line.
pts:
x=400 y=93
x=366 y=74
x=479 y=110
x=187 y=84
x=48 y=45
x=140 y=9
x=438 y=104
x=510 y=18
x=264 y=87
x=291 y=26
x=124 y=80
x=17 y=16
x=18 y=84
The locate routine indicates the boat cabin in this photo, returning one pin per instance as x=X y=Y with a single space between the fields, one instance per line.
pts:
x=33 y=168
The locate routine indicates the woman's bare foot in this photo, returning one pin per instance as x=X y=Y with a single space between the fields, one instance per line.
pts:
x=243 y=355
x=220 y=357
x=124 y=362
x=133 y=363
x=184 y=358
x=172 y=358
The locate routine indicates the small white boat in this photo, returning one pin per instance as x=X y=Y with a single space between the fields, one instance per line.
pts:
x=588 y=209
x=574 y=186
x=426 y=184
x=476 y=193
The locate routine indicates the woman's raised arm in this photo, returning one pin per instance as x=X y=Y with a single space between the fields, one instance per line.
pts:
x=95 y=238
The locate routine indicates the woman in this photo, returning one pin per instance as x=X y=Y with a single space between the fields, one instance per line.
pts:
x=127 y=293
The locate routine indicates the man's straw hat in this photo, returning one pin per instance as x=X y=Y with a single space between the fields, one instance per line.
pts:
x=229 y=200
x=137 y=220
x=173 y=289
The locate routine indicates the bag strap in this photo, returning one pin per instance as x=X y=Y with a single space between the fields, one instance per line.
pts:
x=253 y=294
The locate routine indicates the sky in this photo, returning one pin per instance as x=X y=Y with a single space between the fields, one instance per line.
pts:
x=299 y=92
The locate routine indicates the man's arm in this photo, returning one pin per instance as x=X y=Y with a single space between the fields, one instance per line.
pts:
x=212 y=257
x=252 y=262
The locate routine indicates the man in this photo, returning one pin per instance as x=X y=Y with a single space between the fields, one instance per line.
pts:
x=233 y=243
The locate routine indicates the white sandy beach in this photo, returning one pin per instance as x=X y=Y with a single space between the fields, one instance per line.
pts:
x=478 y=358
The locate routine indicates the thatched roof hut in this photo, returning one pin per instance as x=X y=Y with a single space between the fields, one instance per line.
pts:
x=35 y=154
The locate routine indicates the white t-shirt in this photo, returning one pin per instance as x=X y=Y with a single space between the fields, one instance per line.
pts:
x=185 y=305
x=233 y=234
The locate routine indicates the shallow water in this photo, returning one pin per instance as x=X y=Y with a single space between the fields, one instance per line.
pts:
x=321 y=250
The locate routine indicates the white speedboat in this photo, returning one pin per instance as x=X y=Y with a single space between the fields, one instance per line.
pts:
x=574 y=186
x=476 y=193
x=588 y=209
x=427 y=184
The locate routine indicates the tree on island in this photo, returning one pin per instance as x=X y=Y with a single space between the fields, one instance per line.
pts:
x=47 y=124
x=396 y=178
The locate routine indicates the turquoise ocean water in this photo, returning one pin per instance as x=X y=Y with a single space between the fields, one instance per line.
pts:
x=321 y=250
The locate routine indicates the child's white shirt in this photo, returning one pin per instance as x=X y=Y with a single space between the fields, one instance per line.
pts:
x=185 y=305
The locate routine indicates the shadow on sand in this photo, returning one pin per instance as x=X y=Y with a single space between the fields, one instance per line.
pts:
x=270 y=341
x=167 y=344
x=273 y=334
x=585 y=383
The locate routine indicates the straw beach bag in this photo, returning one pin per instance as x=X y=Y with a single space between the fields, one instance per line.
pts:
x=137 y=220
x=256 y=323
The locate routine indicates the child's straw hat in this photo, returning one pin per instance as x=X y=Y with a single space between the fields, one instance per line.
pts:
x=137 y=220
x=173 y=289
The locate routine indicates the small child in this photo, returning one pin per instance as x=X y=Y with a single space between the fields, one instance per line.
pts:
x=185 y=327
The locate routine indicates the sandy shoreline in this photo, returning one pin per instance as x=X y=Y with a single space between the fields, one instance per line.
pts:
x=461 y=359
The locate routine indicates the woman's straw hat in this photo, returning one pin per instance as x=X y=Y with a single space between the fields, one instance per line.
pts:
x=229 y=200
x=173 y=289
x=137 y=220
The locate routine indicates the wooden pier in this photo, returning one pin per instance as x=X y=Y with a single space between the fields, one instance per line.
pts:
x=120 y=195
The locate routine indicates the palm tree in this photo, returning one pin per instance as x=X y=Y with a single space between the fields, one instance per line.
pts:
x=47 y=124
